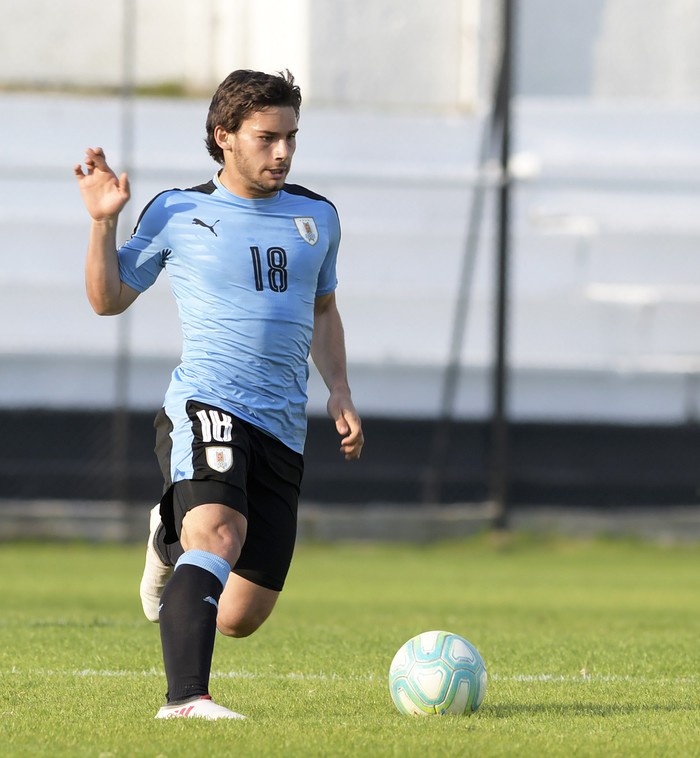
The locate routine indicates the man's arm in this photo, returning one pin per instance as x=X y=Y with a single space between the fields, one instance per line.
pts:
x=328 y=353
x=104 y=196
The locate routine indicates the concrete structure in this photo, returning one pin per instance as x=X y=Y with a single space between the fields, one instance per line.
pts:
x=426 y=54
x=605 y=225
x=605 y=244
x=660 y=43
x=345 y=52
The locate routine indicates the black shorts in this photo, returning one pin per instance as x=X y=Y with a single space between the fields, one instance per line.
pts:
x=246 y=469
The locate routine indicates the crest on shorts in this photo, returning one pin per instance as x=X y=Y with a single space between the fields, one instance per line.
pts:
x=306 y=226
x=219 y=458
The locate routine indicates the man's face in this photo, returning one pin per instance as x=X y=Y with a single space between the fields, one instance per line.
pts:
x=258 y=157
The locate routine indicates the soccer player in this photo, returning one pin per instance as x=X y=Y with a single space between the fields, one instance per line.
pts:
x=252 y=265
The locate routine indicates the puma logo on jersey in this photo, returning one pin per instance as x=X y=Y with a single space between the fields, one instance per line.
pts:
x=199 y=222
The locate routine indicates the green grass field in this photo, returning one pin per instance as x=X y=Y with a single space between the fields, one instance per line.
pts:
x=592 y=649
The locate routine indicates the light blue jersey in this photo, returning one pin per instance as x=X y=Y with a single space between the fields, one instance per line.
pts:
x=245 y=274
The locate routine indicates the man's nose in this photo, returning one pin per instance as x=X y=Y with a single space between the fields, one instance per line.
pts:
x=281 y=149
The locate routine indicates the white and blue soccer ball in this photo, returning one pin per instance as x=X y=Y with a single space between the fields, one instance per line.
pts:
x=437 y=673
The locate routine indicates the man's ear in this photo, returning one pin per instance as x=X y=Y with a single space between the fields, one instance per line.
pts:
x=223 y=138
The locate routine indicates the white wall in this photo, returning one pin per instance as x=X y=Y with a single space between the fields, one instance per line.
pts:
x=379 y=52
x=395 y=53
x=649 y=49
x=433 y=54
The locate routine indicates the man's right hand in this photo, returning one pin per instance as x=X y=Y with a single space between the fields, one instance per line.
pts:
x=104 y=194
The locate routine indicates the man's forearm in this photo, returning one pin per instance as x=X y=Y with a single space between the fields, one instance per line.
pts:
x=328 y=349
x=104 y=288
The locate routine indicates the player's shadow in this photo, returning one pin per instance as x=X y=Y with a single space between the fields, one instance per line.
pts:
x=580 y=709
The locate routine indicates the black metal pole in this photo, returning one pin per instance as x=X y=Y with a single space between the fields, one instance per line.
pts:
x=500 y=463
x=432 y=484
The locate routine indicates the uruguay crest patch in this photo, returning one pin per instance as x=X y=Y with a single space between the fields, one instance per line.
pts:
x=306 y=227
x=219 y=458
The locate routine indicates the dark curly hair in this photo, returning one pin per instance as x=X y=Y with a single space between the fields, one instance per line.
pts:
x=243 y=92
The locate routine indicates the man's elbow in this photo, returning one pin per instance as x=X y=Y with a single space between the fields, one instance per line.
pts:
x=110 y=302
x=104 y=306
x=108 y=311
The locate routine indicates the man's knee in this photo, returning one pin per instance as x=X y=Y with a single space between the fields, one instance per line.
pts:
x=215 y=528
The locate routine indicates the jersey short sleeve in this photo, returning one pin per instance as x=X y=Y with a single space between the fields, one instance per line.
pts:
x=327 y=278
x=142 y=257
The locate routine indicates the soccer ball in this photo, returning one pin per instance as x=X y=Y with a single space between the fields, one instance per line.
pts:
x=437 y=672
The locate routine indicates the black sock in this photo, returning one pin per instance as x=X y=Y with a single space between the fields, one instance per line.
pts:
x=188 y=630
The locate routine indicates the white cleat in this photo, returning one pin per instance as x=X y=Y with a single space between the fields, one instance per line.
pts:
x=155 y=572
x=200 y=708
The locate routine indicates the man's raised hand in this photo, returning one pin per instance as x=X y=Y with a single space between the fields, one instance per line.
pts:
x=104 y=194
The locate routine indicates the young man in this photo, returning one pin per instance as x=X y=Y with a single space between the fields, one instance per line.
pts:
x=251 y=261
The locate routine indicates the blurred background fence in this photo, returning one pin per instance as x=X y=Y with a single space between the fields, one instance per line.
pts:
x=603 y=401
